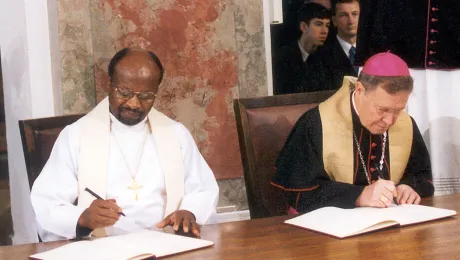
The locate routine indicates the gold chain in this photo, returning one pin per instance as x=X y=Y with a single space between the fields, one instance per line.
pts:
x=123 y=155
x=382 y=158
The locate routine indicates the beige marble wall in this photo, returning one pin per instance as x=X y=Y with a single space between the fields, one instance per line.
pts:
x=249 y=38
x=77 y=74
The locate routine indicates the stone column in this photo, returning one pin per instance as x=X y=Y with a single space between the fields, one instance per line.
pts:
x=30 y=90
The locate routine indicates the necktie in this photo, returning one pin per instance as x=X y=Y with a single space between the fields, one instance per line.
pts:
x=351 y=57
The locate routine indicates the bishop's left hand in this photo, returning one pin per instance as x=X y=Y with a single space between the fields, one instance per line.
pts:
x=406 y=195
x=183 y=222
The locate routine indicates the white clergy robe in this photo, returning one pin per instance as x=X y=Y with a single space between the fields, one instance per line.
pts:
x=55 y=191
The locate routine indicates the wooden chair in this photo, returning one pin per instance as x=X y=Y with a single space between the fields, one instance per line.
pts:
x=263 y=125
x=38 y=137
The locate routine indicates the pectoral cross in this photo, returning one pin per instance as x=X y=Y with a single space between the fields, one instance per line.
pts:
x=135 y=187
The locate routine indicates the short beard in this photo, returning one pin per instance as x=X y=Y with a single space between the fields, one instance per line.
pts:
x=349 y=35
x=130 y=121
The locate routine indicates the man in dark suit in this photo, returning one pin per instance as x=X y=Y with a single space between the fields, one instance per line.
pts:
x=291 y=64
x=336 y=59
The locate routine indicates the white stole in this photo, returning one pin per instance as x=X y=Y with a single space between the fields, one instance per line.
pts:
x=94 y=157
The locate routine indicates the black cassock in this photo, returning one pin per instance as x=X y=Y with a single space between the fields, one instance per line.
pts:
x=424 y=33
x=299 y=169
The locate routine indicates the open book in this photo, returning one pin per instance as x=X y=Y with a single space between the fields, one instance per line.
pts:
x=145 y=244
x=342 y=223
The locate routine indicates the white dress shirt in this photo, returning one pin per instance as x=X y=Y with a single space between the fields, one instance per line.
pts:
x=346 y=46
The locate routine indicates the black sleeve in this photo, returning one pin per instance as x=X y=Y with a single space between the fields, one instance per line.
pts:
x=418 y=171
x=282 y=74
x=314 y=78
x=299 y=170
x=82 y=231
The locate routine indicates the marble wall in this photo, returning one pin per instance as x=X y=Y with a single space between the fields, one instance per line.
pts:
x=212 y=50
x=76 y=47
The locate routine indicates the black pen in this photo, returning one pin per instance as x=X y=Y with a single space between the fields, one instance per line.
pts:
x=381 y=177
x=99 y=198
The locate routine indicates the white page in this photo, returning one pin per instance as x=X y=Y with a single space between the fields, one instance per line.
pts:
x=88 y=250
x=158 y=243
x=345 y=222
x=126 y=246
x=410 y=214
x=338 y=222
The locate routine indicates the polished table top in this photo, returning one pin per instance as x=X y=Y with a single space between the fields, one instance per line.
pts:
x=271 y=239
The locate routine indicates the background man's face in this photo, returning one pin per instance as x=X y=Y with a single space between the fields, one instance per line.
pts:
x=316 y=31
x=346 y=18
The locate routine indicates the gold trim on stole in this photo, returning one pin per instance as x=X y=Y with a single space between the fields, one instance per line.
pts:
x=337 y=126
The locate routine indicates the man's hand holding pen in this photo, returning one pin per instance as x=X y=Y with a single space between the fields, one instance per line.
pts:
x=404 y=193
x=100 y=214
x=383 y=193
x=379 y=194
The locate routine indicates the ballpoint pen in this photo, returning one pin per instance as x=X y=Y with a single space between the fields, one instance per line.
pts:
x=100 y=198
x=380 y=175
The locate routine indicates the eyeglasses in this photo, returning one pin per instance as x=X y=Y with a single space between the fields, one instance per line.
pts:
x=385 y=111
x=127 y=94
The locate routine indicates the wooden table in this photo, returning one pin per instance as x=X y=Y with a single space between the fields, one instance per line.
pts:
x=270 y=239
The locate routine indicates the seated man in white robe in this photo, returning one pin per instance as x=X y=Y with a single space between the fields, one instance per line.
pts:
x=145 y=167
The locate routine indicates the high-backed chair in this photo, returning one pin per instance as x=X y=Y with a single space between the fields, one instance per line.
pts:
x=263 y=125
x=38 y=137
